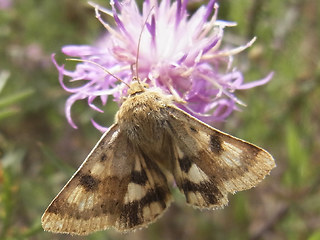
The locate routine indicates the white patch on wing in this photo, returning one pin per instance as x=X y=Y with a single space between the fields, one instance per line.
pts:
x=82 y=204
x=86 y=202
x=75 y=194
x=195 y=198
x=155 y=208
x=231 y=155
x=137 y=166
x=134 y=192
x=146 y=212
x=97 y=169
x=90 y=201
x=196 y=175
x=151 y=210
x=180 y=153
x=114 y=136
x=203 y=137
x=192 y=197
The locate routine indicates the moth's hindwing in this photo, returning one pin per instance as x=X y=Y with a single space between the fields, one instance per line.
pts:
x=209 y=163
x=116 y=186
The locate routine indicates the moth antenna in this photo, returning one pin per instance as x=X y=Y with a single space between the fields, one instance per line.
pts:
x=139 y=41
x=100 y=66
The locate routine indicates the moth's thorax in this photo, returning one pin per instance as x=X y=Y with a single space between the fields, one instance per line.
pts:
x=142 y=115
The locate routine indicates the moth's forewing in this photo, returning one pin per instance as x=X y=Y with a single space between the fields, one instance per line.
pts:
x=210 y=163
x=117 y=186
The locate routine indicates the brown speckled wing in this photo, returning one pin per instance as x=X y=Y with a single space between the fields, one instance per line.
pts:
x=209 y=163
x=116 y=186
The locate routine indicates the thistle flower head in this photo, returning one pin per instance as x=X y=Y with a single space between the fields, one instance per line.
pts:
x=179 y=53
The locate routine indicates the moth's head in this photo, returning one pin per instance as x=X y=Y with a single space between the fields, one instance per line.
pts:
x=137 y=87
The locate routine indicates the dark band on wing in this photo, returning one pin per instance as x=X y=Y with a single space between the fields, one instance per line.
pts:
x=132 y=213
x=216 y=144
x=208 y=190
x=139 y=177
x=88 y=182
x=185 y=163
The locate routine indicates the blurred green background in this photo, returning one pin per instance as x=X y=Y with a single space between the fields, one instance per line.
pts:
x=39 y=151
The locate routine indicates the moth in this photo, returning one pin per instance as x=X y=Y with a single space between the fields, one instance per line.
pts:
x=123 y=183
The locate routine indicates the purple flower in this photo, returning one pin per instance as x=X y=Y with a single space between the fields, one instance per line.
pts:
x=5 y=4
x=179 y=53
